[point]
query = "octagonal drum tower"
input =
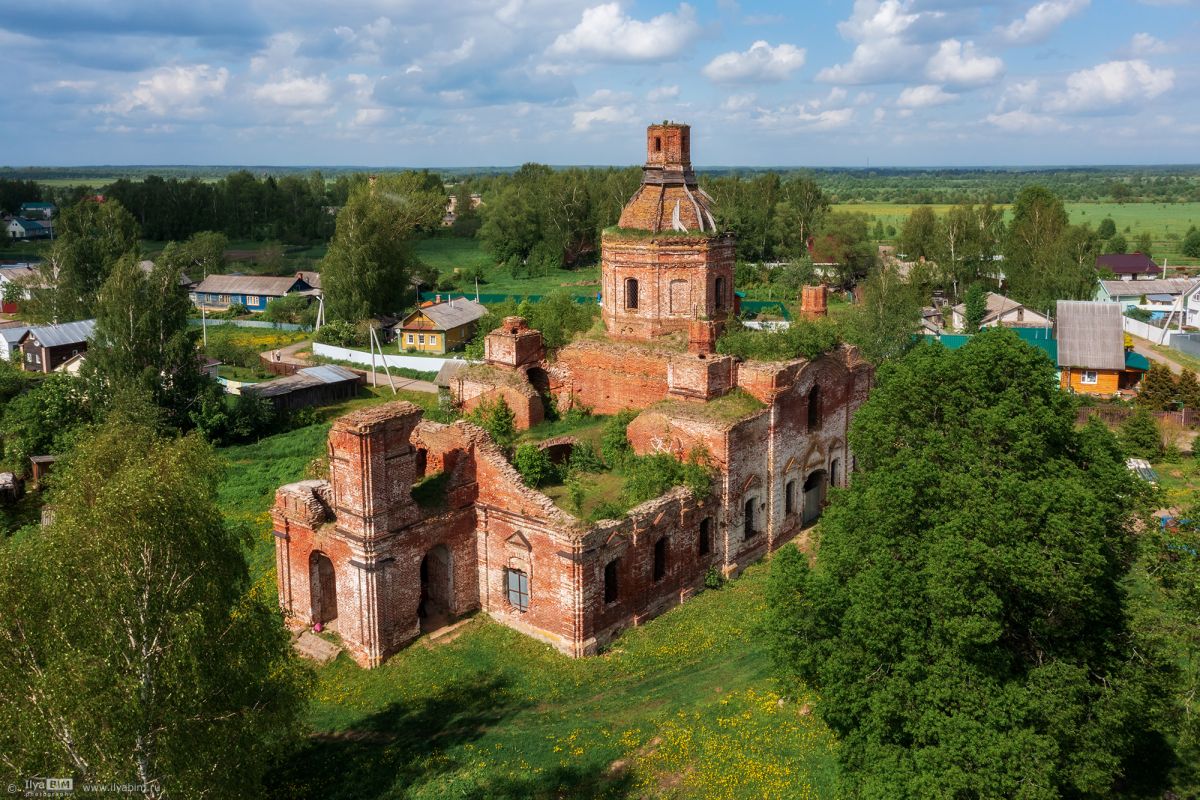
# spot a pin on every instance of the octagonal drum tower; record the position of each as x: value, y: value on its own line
x: 665, y: 267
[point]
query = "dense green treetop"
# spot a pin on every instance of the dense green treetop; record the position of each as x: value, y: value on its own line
x: 965, y: 623
x: 134, y: 648
x: 89, y: 239
x: 370, y: 262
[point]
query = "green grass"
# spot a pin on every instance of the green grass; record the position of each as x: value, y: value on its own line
x: 686, y: 700
x: 1178, y: 356
x: 234, y: 372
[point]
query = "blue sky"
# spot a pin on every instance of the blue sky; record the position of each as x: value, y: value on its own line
x: 497, y: 82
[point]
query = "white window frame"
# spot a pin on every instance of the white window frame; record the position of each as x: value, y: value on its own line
x: 410, y: 338
x: 420, y: 338
x: 1090, y: 377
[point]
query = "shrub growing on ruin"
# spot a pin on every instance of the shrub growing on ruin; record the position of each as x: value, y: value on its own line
x: 614, y: 440
x: 495, y: 417
x: 534, y: 465
x: 804, y: 339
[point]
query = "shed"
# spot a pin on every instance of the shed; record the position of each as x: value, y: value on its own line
x: 39, y: 468
x: 309, y: 386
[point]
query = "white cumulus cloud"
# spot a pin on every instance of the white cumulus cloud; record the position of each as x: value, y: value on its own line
x: 1143, y: 44
x: 605, y: 33
x: 958, y: 64
x: 760, y: 64
x: 1041, y: 20
x: 883, y: 52
x: 1110, y: 85
x: 178, y: 90
x: 923, y: 96
x: 295, y: 91
x: 583, y: 121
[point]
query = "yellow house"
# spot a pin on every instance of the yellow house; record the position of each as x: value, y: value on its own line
x: 441, y: 327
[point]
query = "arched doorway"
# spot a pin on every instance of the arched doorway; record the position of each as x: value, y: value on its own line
x: 814, y: 496
x: 322, y: 583
x: 436, y: 575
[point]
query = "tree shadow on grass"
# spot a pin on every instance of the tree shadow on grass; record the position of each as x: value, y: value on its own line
x: 394, y: 749
x: 561, y: 782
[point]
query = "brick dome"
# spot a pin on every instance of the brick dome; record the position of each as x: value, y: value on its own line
x: 669, y: 198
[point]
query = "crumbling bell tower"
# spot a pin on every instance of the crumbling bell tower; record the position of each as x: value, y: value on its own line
x: 665, y: 266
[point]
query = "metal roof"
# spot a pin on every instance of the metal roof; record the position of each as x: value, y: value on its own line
x: 304, y: 378
x: 445, y: 375
x: 328, y: 373
x: 452, y: 314
x: 13, y: 335
x: 66, y: 333
x: 1123, y: 263
x: 1090, y: 335
x: 1172, y: 286
x: 250, y: 284
x: 310, y: 277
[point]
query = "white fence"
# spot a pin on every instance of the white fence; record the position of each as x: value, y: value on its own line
x: 1147, y: 331
x: 364, y: 358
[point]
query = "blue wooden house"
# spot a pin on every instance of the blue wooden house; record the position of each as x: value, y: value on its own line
x: 219, y: 292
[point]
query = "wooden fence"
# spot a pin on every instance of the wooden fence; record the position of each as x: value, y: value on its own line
x: 1113, y: 416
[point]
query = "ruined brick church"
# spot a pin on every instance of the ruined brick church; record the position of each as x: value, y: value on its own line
x: 358, y: 554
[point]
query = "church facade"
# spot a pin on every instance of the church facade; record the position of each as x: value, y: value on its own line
x: 365, y: 553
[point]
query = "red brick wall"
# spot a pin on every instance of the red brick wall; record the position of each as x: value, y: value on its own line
x: 677, y: 282
x: 610, y: 377
x: 513, y: 344
x: 526, y: 405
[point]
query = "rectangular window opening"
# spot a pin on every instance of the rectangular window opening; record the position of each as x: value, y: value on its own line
x: 517, y: 585
x: 610, y: 581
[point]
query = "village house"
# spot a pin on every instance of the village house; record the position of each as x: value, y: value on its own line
x: 440, y: 327
x: 421, y: 522
x: 45, y: 347
x: 37, y: 211
x: 10, y: 341
x: 219, y: 292
x: 29, y: 229
x: 1001, y: 310
x: 1158, y: 296
x: 16, y: 281
x: 1128, y: 266
x: 1091, y: 356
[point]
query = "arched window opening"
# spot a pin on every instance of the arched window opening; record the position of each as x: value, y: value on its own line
x: 814, y: 496
x: 610, y: 581
x: 789, y: 498
x: 705, y: 536
x: 749, y: 509
x: 834, y: 470
x: 814, y: 408
x: 660, y: 559
x: 631, y: 293
x: 658, y: 144
x: 719, y: 292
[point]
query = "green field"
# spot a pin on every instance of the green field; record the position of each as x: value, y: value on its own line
x: 1160, y: 219
x: 685, y: 702
x: 447, y: 254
